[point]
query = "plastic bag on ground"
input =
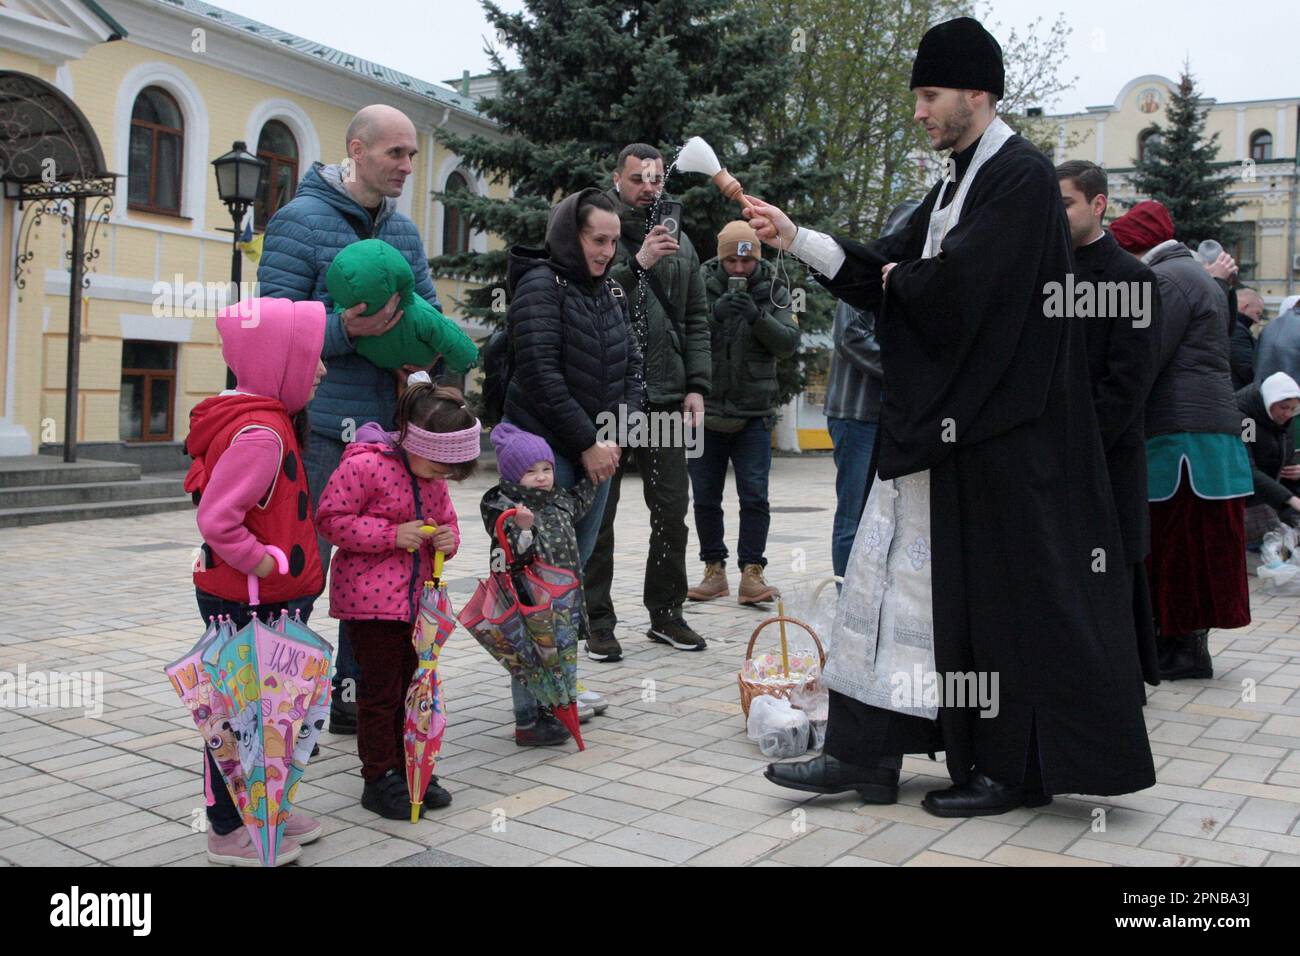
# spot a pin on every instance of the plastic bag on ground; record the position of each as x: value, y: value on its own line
x: 816, y: 703
x: 780, y: 730
x: 1279, y: 569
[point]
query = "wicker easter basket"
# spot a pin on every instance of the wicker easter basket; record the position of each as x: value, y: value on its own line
x: 750, y: 689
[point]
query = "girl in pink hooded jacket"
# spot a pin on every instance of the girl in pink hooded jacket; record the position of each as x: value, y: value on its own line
x: 386, y: 487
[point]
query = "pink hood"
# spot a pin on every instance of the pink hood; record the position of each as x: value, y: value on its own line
x: 272, y: 346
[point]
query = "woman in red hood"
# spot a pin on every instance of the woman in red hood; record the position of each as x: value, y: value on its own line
x: 251, y: 490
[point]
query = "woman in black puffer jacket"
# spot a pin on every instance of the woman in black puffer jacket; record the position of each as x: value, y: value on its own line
x: 573, y: 350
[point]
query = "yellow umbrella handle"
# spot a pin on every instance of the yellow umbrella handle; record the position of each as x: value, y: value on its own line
x: 427, y: 529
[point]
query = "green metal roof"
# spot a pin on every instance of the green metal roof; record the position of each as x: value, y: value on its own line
x: 345, y: 61
x: 119, y: 31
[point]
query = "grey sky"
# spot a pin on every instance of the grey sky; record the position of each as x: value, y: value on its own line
x: 1237, y: 52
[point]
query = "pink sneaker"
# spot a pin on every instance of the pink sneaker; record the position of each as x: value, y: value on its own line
x: 303, y: 829
x: 236, y: 849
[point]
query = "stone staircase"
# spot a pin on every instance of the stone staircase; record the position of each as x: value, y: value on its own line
x: 41, y: 489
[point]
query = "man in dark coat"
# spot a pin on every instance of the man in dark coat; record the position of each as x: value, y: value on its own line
x: 1278, y: 347
x: 670, y: 320
x: 1122, y: 347
x: 1241, y: 355
x: 991, y: 453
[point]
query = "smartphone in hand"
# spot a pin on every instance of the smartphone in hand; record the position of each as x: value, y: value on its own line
x: 737, y: 284
x: 670, y: 217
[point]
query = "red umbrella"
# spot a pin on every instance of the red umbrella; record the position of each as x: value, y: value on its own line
x: 522, y: 636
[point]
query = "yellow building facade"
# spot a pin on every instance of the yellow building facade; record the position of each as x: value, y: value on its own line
x: 1257, y: 154
x: 229, y: 79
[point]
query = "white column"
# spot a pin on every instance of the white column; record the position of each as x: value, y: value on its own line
x: 14, y: 439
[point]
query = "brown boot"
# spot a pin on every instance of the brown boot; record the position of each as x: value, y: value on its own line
x: 714, y: 584
x: 753, y: 589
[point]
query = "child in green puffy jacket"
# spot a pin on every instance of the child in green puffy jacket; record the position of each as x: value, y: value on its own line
x: 372, y: 271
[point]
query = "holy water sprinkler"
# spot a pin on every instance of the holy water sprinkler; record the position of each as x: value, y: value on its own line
x: 697, y: 156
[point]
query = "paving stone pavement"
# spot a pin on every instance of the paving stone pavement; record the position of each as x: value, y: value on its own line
x: 668, y: 776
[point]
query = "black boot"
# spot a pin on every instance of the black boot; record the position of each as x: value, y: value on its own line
x: 388, y: 797
x: 343, y: 716
x: 546, y: 731
x: 436, y: 797
x: 981, y: 796
x: 825, y: 774
x: 1187, y: 657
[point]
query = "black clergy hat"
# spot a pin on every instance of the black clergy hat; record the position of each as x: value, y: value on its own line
x: 960, y: 55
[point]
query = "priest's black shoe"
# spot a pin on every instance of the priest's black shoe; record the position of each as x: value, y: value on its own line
x: 825, y: 774
x: 981, y: 796
x: 1187, y: 657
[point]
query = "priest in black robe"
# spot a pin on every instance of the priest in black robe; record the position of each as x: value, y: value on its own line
x: 987, y: 421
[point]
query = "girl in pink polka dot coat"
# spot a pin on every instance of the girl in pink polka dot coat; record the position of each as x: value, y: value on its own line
x: 387, y: 486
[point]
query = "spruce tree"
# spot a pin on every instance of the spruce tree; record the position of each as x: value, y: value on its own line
x: 1177, y: 167
x: 597, y: 75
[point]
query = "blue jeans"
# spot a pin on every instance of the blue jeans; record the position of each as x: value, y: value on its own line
x: 223, y: 816
x: 320, y: 458
x: 749, y: 451
x: 567, y: 474
x: 854, y: 442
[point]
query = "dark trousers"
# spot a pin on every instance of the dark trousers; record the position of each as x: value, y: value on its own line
x: 666, y: 486
x: 749, y: 451
x: 866, y: 736
x: 387, y: 657
x: 319, y: 459
x: 223, y: 815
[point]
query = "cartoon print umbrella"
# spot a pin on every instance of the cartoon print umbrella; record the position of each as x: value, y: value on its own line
x: 562, y: 591
x: 267, y: 681
x: 189, y: 678
x: 318, y: 707
x: 522, y: 637
x: 426, y: 717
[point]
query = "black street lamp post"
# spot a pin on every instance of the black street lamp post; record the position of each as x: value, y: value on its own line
x: 240, y: 177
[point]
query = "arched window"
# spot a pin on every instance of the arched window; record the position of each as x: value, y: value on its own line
x: 1261, y: 145
x: 1148, y: 139
x: 157, y: 149
x: 279, y: 149
x: 455, y: 225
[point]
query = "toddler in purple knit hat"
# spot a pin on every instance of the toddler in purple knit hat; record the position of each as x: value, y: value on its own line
x: 541, y: 528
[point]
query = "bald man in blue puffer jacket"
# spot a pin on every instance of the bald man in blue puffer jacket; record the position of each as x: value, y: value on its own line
x: 335, y: 206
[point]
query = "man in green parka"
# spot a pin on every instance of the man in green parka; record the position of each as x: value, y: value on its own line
x: 752, y: 327
x: 661, y: 275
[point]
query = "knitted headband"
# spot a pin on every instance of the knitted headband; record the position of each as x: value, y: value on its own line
x: 449, y: 448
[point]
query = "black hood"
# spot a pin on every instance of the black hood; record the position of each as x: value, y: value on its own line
x: 563, y: 245
x: 523, y: 259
